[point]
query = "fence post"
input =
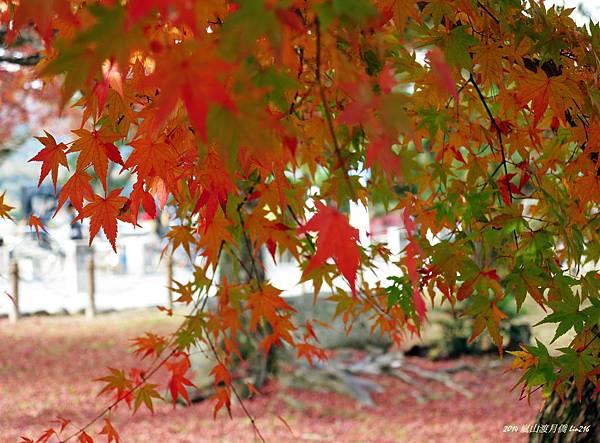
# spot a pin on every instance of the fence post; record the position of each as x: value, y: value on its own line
x: 90, y: 309
x: 14, y: 313
x: 170, y: 281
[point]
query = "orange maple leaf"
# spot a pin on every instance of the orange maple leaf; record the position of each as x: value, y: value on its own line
x: 544, y: 91
x: 103, y: 213
x: 267, y: 303
x: 213, y: 235
x: 4, y: 208
x: 150, y: 158
x: 76, y: 189
x: 35, y: 223
x: 96, y: 148
x: 52, y: 156
x: 110, y: 432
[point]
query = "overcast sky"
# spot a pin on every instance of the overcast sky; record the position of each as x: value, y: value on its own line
x: 591, y: 7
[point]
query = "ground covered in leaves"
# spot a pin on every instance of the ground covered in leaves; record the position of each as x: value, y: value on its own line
x: 47, y: 365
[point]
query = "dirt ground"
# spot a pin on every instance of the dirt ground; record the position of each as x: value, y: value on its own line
x: 47, y: 365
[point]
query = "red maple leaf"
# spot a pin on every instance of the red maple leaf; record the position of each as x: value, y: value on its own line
x: 441, y: 72
x: 195, y: 77
x: 85, y: 438
x: 214, y: 185
x: 379, y: 151
x: 46, y: 435
x: 178, y: 380
x: 337, y: 240
x: 140, y: 197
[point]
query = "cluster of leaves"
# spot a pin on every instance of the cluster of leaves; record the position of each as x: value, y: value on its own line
x: 248, y: 116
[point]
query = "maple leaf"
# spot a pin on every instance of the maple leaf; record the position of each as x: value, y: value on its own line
x: 144, y: 395
x: 181, y: 236
x: 379, y: 151
x: 46, y: 435
x: 63, y: 422
x: 215, y: 185
x: 310, y: 352
x: 96, y: 148
x: 544, y: 91
x: 587, y: 188
x: 41, y: 14
x: 507, y: 188
x: 440, y: 70
x: 140, y: 197
x: 4, y: 208
x: 149, y: 344
x: 487, y: 315
x: 150, y: 158
x: 176, y: 385
x: 76, y: 189
x: 195, y: 77
x: 337, y: 240
x: 35, y: 223
x: 103, y: 213
x: 267, y: 303
x: 178, y: 382
x: 111, y: 78
x: 52, y: 156
x: 117, y: 381
x: 213, y: 235
x: 85, y: 438
x: 110, y: 432
x: 223, y: 399
x: 185, y: 291
x: 411, y: 253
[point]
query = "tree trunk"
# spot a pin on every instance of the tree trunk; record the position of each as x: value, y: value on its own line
x: 572, y: 413
x: 260, y: 364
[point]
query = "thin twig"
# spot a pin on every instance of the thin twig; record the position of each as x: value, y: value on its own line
x: 235, y: 392
x: 29, y: 60
x: 495, y: 125
x: 488, y: 12
x: 328, y: 117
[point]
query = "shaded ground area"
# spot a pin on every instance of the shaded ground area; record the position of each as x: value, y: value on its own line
x: 47, y: 364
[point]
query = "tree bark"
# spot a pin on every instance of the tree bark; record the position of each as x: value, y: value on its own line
x: 574, y: 414
x: 260, y: 364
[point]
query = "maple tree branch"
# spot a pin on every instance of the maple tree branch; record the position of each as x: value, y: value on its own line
x: 152, y: 369
x: 246, y: 239
x: 498, y: 130
x: 596, y: 335
x: 328, y: 116
x: 29, y: 60
x: 248, y: 272
x: 120, y: 398
x: 299, y: 223
x: 488, y: 12
x: 235, y: 392
x: 522, y: 396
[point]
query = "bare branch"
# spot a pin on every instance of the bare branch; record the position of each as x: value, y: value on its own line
x: 30, y: 60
